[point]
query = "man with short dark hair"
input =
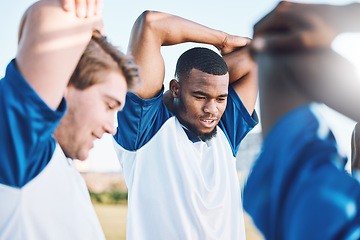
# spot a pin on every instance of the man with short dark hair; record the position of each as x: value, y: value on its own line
x: 178, y: 149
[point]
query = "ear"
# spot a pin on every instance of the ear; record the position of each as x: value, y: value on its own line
x: 174, y: 88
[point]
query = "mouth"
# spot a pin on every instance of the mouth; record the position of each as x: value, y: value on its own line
x: 208, y: 122
x: 95, y: 136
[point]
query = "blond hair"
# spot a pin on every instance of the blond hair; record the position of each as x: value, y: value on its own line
x: 100, y: 56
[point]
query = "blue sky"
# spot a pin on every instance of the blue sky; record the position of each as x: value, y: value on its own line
x: 232, y: 16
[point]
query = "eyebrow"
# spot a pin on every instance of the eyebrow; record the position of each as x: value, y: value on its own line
x: 208, y: 95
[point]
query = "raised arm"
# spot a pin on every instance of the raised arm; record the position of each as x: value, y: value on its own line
x: 51, y: 42
x: 296, y: 26
x: 243, y: 76
x: 287, y: 81
x: 296, y: 64
x: 155, y: 29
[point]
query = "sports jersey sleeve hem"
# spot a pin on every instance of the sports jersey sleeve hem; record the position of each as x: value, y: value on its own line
x: 140, y: 120
x: 145, y: 102
x: 253, y: 119
x: 236, y: 121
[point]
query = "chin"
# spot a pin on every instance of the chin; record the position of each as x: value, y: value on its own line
x: 205, y: 136
x: 83, y: 157
x: 207, y: 131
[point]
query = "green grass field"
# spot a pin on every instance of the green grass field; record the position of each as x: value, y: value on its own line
x: 113, y: 221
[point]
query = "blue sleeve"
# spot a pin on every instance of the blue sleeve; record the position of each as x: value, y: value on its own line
x: 236, y: 121
x: 325, y: 205
x: 298, y: 188
x: 26, y: 127
x: 140, y: 120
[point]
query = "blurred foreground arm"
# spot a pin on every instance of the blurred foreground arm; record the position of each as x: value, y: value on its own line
x: 296, y: 64
x: 287, y: 81
x: 295, y: 26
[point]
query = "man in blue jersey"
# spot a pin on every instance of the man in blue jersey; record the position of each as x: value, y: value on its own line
x: 178, y: 156
x: 42, y: 194
x: 298, y: 188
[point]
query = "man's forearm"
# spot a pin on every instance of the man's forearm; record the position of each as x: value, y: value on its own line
x: 50, y: 37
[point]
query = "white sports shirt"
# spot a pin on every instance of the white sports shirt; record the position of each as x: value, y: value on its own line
x: 180, y: 188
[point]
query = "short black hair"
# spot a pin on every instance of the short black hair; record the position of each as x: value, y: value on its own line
x: 203, y: 59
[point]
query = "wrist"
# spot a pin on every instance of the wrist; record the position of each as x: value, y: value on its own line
x: 222, y: 41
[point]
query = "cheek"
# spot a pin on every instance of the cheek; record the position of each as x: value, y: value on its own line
x: 193, y: 108
x: 93, y: 112
x: 198, y: 107
x: 222, y: 107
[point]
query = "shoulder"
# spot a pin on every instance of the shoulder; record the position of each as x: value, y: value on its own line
x: 140, y: 120
x: 26, y: 127
x: 235, y: 108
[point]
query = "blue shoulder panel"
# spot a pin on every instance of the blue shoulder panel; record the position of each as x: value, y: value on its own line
x: 140, y: 120
x: 298, y: 188
x: 236, y: 121
x: 26, y: 126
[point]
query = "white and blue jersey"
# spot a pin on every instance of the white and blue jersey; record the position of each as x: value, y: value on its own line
x: 42, y: 195
x: 298, y: 188
x: 180, y: 188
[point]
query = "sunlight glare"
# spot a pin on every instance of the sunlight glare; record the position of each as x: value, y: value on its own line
x: 347, y: 44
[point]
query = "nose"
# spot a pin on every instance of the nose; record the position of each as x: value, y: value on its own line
x: 111, y: 131
x: 109, y: 125
x: 210, y: 107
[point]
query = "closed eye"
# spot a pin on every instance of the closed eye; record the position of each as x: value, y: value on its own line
x: 200, y: 97
x: 112, y: 106
x: 112, y: 103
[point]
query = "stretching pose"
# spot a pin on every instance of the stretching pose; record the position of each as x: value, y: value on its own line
x: 178, y: 149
